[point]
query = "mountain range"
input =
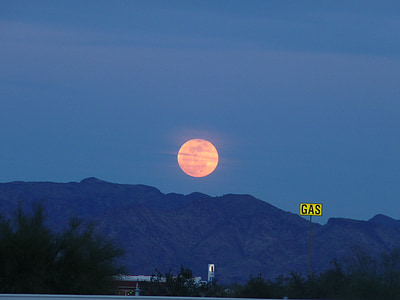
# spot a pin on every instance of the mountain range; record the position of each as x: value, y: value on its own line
x: 240, y: 234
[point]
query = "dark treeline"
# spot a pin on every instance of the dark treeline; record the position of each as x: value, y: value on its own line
x: 358, y: 277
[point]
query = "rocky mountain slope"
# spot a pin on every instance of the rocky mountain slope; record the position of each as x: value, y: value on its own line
x: 240, y: 234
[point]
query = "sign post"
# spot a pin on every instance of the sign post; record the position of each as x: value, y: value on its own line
x: 310, y: 209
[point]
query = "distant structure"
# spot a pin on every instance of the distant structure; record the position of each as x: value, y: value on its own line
x: 211, y: 270
x: 128, y: 285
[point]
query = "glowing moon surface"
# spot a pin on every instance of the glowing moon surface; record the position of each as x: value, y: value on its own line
x: 198, y: 158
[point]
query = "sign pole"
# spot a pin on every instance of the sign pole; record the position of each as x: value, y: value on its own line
x: 310, y: 209
x: 309, y: 250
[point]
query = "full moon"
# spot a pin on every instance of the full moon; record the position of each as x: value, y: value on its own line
x: 198, y: 158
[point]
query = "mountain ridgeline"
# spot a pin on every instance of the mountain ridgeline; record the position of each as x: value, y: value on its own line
x: 240, y: 234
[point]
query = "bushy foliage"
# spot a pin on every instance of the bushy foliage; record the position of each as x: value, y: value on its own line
x: 256, y: 287
x: 358, y: 277
x: 33, y: 259
x: 182, y: 284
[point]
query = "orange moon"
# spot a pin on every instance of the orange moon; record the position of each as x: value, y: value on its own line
x: 198, y: 158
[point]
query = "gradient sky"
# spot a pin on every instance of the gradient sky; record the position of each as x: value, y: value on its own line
x: 301, y: 98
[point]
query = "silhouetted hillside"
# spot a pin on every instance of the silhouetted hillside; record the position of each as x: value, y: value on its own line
x: 240, y: 234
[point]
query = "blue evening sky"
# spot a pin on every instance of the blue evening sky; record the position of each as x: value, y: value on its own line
x: 301, y: 98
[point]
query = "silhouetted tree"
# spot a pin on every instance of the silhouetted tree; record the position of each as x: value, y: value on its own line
x: 33, y: 259
x: 256, y: 287
x: 391, y: 274
x: 333, y: 282
x: 27, y: 253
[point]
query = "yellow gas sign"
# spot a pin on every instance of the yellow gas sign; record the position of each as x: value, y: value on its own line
x: 311, y: 209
